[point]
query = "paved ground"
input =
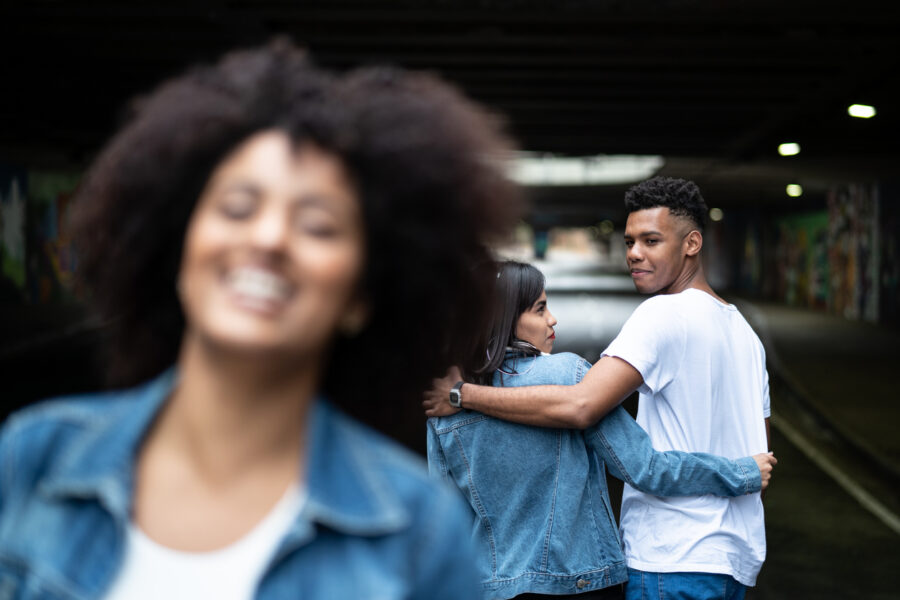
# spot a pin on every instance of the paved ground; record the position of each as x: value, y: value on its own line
x: 821, y: 542
x: 834, y: 419
x: 843, y: 369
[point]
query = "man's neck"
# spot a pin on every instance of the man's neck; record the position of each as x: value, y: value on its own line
x: 692, y: 277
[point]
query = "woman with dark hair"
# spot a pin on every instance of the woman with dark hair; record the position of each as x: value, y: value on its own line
x: 541, y: 515
x: 256, y: 235
x: 520, y: 307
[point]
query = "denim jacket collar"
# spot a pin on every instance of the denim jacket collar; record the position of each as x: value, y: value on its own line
x: 101, y: 463
x: 345, y: 491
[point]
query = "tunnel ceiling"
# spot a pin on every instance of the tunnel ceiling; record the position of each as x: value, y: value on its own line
x: 714, y: 86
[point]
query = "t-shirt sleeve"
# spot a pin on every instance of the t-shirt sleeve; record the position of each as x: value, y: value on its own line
x: 652, y: 341
x: 767, y: 408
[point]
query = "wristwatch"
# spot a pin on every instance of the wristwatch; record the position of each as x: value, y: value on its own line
x: 456, y: 395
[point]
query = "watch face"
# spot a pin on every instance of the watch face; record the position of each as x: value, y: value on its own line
x: 455, y: 397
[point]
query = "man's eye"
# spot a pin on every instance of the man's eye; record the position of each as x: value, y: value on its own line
x: 651, y: 241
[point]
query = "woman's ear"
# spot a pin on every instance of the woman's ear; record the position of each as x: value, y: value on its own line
x: 693, y: 242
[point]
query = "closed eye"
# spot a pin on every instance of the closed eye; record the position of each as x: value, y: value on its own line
x: 238, y: 206
x: 238, y: 201
x: 313, y: 218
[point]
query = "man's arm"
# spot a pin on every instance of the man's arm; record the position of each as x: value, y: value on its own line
x: 578, y: 406
x: 629, y: 455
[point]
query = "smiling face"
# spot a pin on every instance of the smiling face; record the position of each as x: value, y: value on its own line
x: 535, y: 325
x: 658, y: 246
x: 274, y: 251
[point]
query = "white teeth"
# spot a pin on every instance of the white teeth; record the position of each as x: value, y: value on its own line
x: 258, y: 284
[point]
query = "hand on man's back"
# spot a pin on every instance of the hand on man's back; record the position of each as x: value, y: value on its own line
x: 436, y: 402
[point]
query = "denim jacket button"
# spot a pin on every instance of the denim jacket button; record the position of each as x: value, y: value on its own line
x: 581, y: 583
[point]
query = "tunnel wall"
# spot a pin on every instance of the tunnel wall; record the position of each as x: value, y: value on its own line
x: 35, y: 251
x: 48, y: 345
x: 841, y: 257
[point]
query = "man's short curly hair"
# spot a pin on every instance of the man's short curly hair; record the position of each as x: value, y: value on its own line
x: 426, y: 163
x: 680, y: 196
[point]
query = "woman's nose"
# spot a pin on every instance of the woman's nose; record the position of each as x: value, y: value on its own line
x: 270, y: 230
x: 551, y: 320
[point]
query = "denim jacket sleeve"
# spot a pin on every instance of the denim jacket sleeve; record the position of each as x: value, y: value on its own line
x: 6, y: 463
x: 446, y: 554
x: 629, y: 454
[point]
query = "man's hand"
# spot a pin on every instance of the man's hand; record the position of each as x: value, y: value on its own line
x: 765, y: 462
x: 437, y: 399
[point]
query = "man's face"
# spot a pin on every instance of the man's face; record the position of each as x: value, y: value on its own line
x: 655, y: 248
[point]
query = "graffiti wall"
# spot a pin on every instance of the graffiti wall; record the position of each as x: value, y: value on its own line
x: 36, y: 258
x: 801, y: 260
x: 842, y: 259
x: 854, y: 251
x: 889, y: 259
x: 12, y: 233
x: 52, y: 261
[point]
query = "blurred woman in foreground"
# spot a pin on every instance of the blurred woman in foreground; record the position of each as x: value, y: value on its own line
x: 274, y: 246
x: 541, y: 514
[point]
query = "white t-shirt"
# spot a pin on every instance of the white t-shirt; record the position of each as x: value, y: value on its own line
x: 705, y: 390
x: 152, y: 571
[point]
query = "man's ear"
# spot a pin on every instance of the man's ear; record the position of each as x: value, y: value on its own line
x: 693, y: 242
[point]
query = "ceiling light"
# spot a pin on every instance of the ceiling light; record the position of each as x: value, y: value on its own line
x: 794, y: 190
x: 716, y: 214
x: 862, y: 111
x: 789, y: 149
x: 547, y: 169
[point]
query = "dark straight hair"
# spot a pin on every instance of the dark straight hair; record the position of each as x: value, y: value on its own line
x: 518, y: 287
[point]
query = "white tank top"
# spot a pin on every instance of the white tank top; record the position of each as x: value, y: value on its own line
x: 153, y: 571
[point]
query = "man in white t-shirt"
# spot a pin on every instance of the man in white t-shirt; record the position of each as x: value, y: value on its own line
x: 700, y: 371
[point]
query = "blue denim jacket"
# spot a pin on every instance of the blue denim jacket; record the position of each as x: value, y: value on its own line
x: 542, y: 518
x: 368, y: 529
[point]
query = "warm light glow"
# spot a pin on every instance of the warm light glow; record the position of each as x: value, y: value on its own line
x: 606, y: 227
x: 794, y: 190
x: 789, y: 149
x: 716, y: 214
x: 861, y: 111
x: 537, y: 169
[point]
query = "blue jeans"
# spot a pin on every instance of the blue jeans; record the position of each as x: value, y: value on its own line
x: 682, y: 586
